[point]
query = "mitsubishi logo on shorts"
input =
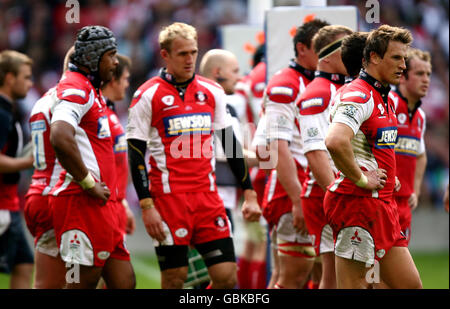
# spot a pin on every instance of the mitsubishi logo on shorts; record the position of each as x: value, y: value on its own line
x: 74, y: 243
x: 356, y: 240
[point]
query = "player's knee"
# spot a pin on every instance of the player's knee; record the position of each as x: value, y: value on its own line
x: 225, y: 282
x: 173, y: 278
x: 130, y: 282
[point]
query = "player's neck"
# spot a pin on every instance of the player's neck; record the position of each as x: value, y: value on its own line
x: 303, y: 64
x: 411, y: 99
x: 6, y: 94
x: 108, y: 92
x: 327, y: 68
x: 374, y: 73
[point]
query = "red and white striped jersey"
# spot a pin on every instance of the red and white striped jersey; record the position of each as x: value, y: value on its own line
x: 46, y: 167
x: 410, y: 141
x: 81, y: 106
x: 363, y: 105
x: 281, y: 94
x: 178, y: 132
x: 314, y: 110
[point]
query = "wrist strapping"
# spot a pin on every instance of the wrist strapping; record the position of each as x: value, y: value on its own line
x: 88, y: 182
x: 146, y: 203
x: 362, y: 182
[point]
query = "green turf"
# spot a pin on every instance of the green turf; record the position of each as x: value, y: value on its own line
x: 433, y: 268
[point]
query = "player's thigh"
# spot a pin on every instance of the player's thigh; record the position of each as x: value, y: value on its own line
x: 294, y: 266
x: 50, y: 271
x: 351, y: 274
x: 398, y: 270
x: 119, y: 274
x: 83, y: 277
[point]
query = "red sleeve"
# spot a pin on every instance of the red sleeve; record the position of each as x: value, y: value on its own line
x: 120, y: 155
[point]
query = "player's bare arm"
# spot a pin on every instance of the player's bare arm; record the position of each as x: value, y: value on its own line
x: 338, y: 142
x: 287, y: 175
x: 62, y: 137
x: 421, y: 165
x: 11, y: 165
x: 319, y: 165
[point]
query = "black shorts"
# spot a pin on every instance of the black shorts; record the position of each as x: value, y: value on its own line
x: 213, y: 252
x: 14, y: 247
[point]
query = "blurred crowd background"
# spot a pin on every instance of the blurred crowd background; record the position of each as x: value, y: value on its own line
x: 39, y: 29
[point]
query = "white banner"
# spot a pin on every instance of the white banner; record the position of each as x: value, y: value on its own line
x: 281, y: 22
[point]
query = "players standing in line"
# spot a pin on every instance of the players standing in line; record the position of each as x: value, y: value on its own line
x: 16, y: 257
x: 283, y: 207
x: 410, y: 155
x: 359, y: 204
x: 49, y: 268
x: 222, y: 67
x: 314, y: 106
x: 114, y: 91
x: 85, y: 223
x: 249, y: 93
x: 176, y: 112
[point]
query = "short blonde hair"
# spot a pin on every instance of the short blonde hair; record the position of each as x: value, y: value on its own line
x: 171, y: 32
x: 416, y: 53
x: 327, y: 35
x: 10, y: 62
x: 378, y: 40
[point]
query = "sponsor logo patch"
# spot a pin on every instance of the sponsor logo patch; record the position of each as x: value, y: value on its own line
x: 182, y: 232
x: 312, y: 132
x: 354, y: 94
x: 381, y: 253
x: 355, y: 240
x: 350, y: 111
x: 386, y: 138
x: 120, y: 143
x: 103, y: 130
x: 407, y: 145
x: 77, y: 92
x: 168, y: 100
x: 188, y: 124
x: 401, y: 118
x: 200, y: 98
x: 103, y: 255
x: 312, y: 102
x: 282, y: 90
x: 38, y: 125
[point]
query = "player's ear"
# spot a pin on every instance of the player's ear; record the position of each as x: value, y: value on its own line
x: 375, y: 58
x: 164, y: 53
x: 300, y: 48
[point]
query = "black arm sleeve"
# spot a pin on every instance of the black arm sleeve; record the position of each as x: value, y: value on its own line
x: 235, y: 157
x: 138, y: 170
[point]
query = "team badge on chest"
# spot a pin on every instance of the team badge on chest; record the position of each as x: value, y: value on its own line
x: 200, y: 98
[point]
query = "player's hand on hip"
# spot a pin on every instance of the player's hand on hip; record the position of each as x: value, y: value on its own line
x: 101, y: 191
x: 153, y: 224
x: 298, y: 218
x: 376, y: 179
x: 250, y: 208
